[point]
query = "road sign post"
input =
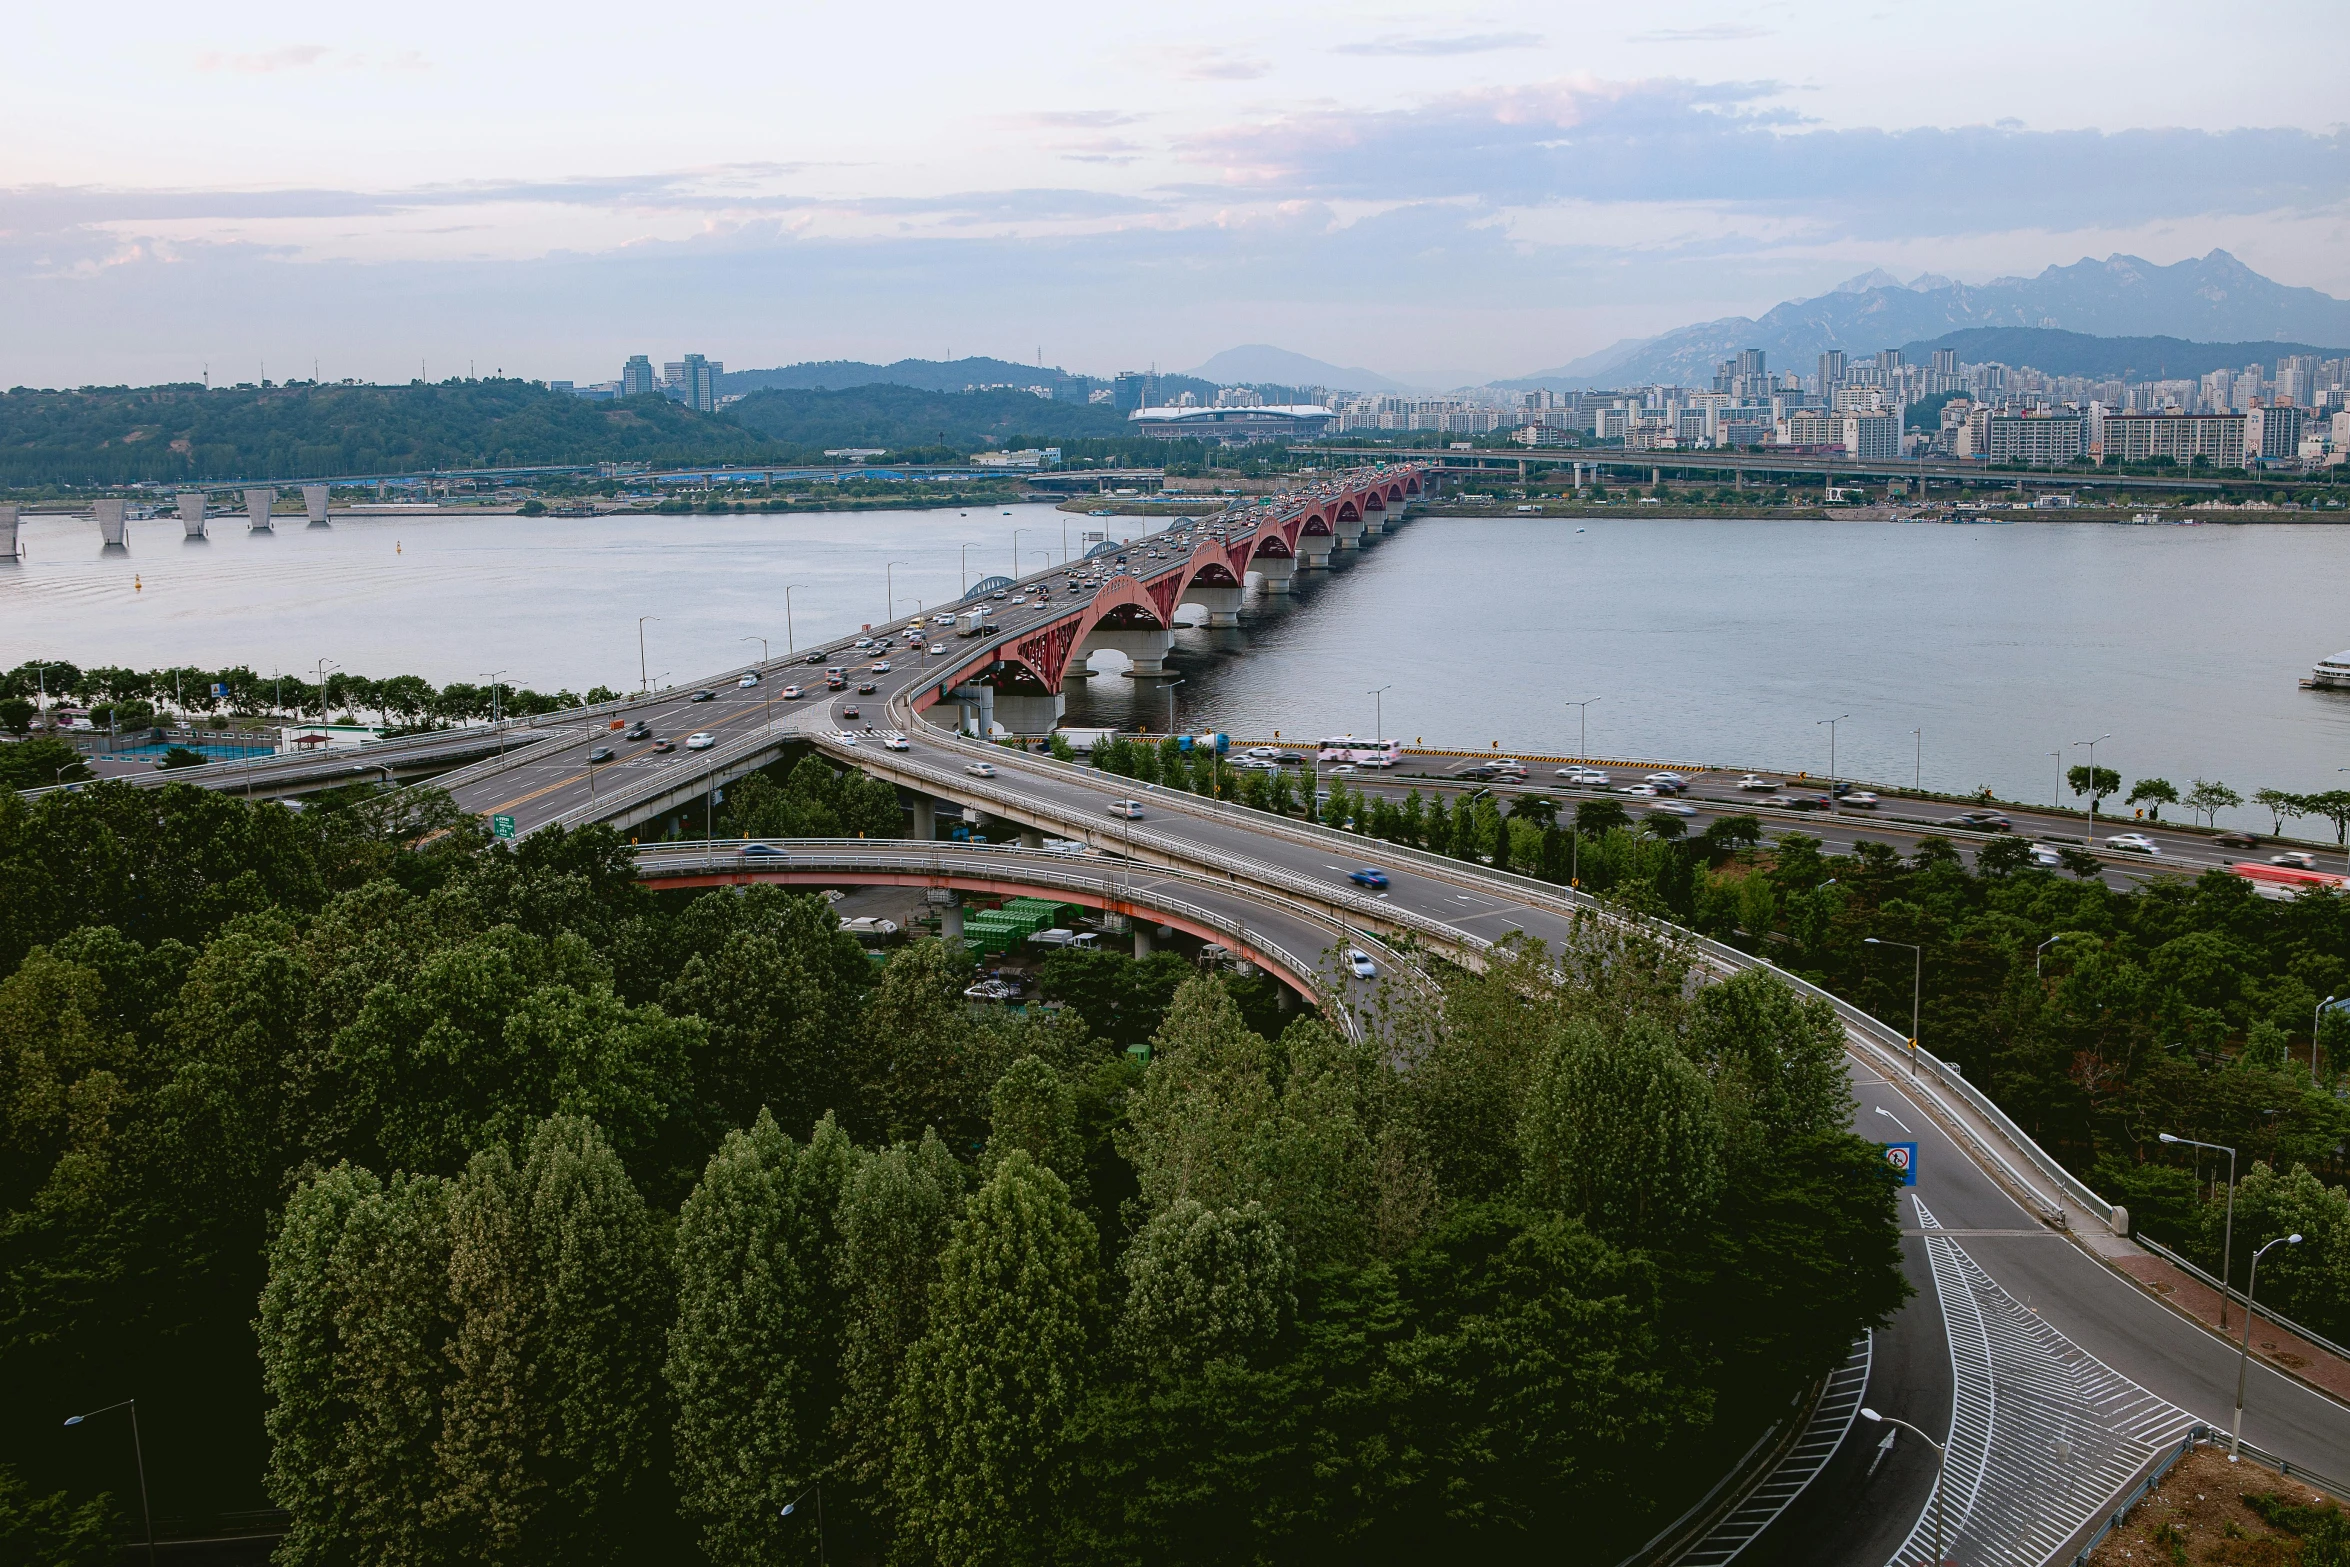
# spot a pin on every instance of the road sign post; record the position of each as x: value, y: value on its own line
x: 1903, y: 1157
x: 502, y: 825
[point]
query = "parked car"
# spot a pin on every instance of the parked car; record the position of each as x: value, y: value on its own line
x: 1368, y: 877
x: 2134, y: 842
x: 602, y: 753
x: 1360, y: 962
x: 1756, y: 781
x: 1130, y: 810
x: 703, y: 696
x: 700, y: 741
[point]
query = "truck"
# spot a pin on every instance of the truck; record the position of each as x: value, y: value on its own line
x: 974, y: 622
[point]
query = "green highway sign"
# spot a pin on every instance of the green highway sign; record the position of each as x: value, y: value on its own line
x: 502, y: 825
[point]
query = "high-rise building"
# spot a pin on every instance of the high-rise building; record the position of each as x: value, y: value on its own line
x: 1750, y: 362
x: 1946, y: 361
x: 1133, y: 389
x: 1888, y: 361
x: 636, y: 377
x: 1831, y: 371
x: 701, y: 383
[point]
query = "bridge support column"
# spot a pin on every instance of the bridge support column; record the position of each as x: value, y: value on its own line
x: 191, y: 505
x: 314, y: 502
x: 1276, y: 570
x: 1142, y: 938
x: 1025, y: 714
x: 978, y: 705
x: 1146, y: 647
x: 1350, y: 535
x: 950, y: 918
x: 1031, y: 838
x: 925, y: 819
x: 9, y: 548
x: 1222, y: 604
x: 257, y: 504
x: 1374, y: 524
x: 1313, y: 551
x: 111, y: 528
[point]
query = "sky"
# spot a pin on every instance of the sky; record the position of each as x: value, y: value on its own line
x: 1446, y: 194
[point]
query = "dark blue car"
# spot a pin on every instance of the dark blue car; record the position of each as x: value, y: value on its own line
x: 1367, y: 877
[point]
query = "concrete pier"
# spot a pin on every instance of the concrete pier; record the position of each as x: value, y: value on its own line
x: 10, y: 549
x: 1221, y: 603
x: 314, y: 502
x: 257, y: 504
x: 1029, y: 713
x: 191, y: 509
x: 978, y: 705
x: 1314, y: 550
x: 111, y: 527
x: 1146, y: 647
x: 925, y: 819
x: 1278, y: 571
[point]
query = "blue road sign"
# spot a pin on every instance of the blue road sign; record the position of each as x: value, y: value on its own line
x: 1904, y: 1159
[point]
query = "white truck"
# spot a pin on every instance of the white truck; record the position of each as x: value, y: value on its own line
x: 973, y: 622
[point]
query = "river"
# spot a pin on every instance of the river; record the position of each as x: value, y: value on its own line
x: 1965, y: 655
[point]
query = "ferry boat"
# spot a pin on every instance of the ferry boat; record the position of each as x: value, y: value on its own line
x: 2331, y: 673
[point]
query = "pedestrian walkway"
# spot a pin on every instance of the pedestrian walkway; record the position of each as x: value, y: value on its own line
x: 2191, y: 1297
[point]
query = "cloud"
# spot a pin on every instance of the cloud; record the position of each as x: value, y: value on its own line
x: 1710, y: 33
x: 1080, y: 119
x: 1461, y: 43
x: 1212, y: 64
x: 293, y: 57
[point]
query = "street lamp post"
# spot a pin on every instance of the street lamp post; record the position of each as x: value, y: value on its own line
x: 2040, y: 950
x: 1917, y: 773
x: 2056, y: 795
x: 790, y: 1507
x: 642, y: 683
x: 1583, y: 727
x: 2228, y: 1235
x: 790, y: 646
x: 324, y: 665
x: 1941, y: 1468
x: 2093, y: 745
x: 967, y: 570
x: 497, y: 711
x: 1832, y: 723
x: 1917, y: 976
x: 889, y: 582
x: 139, y: 1452
x: 1171, y: 685
x: 2244, y: 1355
x: 1016, y: 532
x: 1378, y: 721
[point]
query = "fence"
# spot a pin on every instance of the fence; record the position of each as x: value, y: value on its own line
x: 2237, y: 1295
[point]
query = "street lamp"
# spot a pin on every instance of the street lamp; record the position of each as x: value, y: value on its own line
x: 1832, y: 723
x: 324, y: 665
x: 139, y: 1452
x: 2056, y: 795
x: 2330, y: 1004
x: 2228, y: 1236
x: 1171, y: 685
x: 889, y: 581
x: 790, y: 1507
x: 2244, y: 1356
x: 1378, y: 722
x: 789, y: 645
x: 1016, y: 532
x: 1916, y: 976
x: 497, y: 711
x: 642, y: 683
x: 967, y: 570
x: 2093, y: 745
x: 1583, y: 727
x: 2044, y: 946
x: 1941, y: 1468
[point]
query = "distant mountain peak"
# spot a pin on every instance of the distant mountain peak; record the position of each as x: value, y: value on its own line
x: 1875, y: 277
x: 1927, y: 282
x: 1262, y: 364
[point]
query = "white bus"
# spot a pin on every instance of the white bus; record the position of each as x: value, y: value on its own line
x: 1362, y: 753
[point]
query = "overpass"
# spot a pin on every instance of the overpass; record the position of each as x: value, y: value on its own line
x: 1762, y: 463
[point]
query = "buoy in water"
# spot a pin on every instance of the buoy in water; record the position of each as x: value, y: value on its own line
x: 136, y: 585
x: 396, y: 546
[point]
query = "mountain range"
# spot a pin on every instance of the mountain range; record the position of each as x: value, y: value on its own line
x: 2212, y: 298
x: 1261, y: 364
x: 2054, y: 352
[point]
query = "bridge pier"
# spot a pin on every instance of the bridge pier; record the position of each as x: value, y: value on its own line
x: 1025, y: 714
x: 925, y: 819
x: 950, y: 918
x: 191, y: 507
x: 1146, y: 647
x: 978, y: 706
x: 314, y: 502
x: 1221, y: 603
x: 1313, y: 551
x: 1278, y: 572
x: 1031, y: 838
x: 111, y: 528
x: 1142, y: 938
x: 257, y: 504
x: 9, y: 548
x: 1350, y: 535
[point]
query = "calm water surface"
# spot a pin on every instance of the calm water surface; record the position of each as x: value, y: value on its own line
x: 1704, y: 641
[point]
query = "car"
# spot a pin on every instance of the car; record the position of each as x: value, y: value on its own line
x: 997, y: 594
x: 1255, y: 764
x: 638, y: 731
x: 1360, y: 963
x: 2237, y: 840
x: 760, y: 851
x: 1661, y: 779
x: 866, y: 688
x: 1584, y: 777
x: 1799, y: 802
x: 1756, y: 781
x: 1345, y: 768
x: 2299, y: 859
x: 701, y: 740
x: 835, y: 683
x: 663, y: 747
x: 1369, y: 877
x: 816, y: 657
x: 937, y: 649
x: 602, y: 753
x: 791, y: 693
x: 703, y: 696
x: 1130, y: 810
x: 1674, y: 808
x: 881, y: 666
x: 981, y: 769
x: 1290, y: 759
x: 2047, y: 854
x: 851, y: 712
x: 844, y: 736
x: 897, y: 742
x: 1979, y: 821
x: 2134, y: 842
x: 862, y: 642
x: 1642, y: 791
x: 1261, y: 751
x: 1862, y: 799
x: 748, y: 680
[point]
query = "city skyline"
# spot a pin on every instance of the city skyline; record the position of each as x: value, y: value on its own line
x: 1471, y: 196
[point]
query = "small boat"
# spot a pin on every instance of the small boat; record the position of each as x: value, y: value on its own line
x: 2331, y: 673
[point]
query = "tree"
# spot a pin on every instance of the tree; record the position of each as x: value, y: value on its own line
x: 2207, y: 800
x: 1776, y: 1059
x: 990, y: 1386
x: 2097, y: 785
x: 2155, y: 792
x: 16, y: 714
x: 41, y: 764
x: 1031, y: 1109
x: 894, y: 1219
x: 1205, y: 1284
x: 2279, y: 804
x: 553, y: 1410
x: 1622, y: 1133
x: 750, y: 1359
x: 1594, y: 818
x: 2333, y: 805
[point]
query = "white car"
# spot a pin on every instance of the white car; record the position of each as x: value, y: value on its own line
x: 937, y: 649
x: 2134, y: 842
x: 748, y: 680
x: 981, y: 769
x: 700, y: 741
x: 1360, y: 962
x: 2299, y: 859
x: 1756, y: 781
x: 791, y: 693
x: 1674, y: 808
x: 881, y: 666
x: 1131, y: 810
x: 862, y: 642
x: 2045, y: 854
x: 1640, y: 791
x: 1860, y: 798
x: 1263, y: 752
x: 1584, y: 777
x: 844, y: 737
x: 1345, y: 767
x: 896, y: 742
x: 1675, y: 779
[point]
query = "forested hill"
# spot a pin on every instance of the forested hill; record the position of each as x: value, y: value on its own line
x: 804, y: 421
x: 119, y: 435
